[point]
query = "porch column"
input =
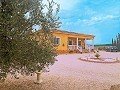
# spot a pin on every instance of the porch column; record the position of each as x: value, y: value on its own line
x: 92, y: 43
x: 85, y: 44
x: 77, y: 43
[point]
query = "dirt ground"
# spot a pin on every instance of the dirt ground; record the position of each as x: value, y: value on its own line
x: 70, y: 73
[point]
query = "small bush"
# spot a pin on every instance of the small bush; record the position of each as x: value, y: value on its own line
x: 97, y: 55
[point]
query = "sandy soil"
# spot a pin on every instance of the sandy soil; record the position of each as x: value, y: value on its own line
x: 69, y: 73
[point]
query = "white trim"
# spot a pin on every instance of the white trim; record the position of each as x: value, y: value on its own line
x: 92, y: 43
x: 77, y: 43
x: 85, y: 43
x: 59, y: 40
x: 70, y: 40
x: 72, y: 45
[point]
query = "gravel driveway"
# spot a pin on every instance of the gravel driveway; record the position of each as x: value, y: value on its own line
x: 69, y: 73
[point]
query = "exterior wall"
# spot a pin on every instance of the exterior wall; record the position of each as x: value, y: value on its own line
x: 74, y: 41
x: 63, y: 46
x: 83, y: 43
x: 63, y: 41
x: 64, y: 37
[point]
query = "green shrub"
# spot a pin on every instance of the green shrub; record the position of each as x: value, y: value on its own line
x: 97, y: 55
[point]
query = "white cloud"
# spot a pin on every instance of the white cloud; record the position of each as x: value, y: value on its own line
x: 88, y: 22
x: 97, y: 19
x: 89, y: 11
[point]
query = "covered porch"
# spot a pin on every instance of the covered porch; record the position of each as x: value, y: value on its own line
x: 77, y: 43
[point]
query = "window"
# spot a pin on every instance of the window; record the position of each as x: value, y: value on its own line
x: 56, y: 40
x: 70, y: 42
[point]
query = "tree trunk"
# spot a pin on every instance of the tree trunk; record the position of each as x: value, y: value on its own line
x: 39, y: 79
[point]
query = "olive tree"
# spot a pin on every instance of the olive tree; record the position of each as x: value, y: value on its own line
x: 20, y: 51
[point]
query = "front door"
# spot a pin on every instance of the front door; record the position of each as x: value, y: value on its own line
x: 80, y: 46
x: 79, y: 43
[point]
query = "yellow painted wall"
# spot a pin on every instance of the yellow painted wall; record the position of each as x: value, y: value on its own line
x: 83, y: 43
x: 63, y: 40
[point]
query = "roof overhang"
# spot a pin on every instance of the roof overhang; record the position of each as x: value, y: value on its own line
x: 85, y: 36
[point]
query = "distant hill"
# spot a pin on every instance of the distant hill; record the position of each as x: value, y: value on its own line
x: 102, y: 46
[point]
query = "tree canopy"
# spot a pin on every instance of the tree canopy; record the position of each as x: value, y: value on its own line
x: 20, y: 51
x: 116, y: 41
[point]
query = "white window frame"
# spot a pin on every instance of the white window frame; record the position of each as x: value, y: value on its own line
x: 68, y: 42
x: 59, y: 40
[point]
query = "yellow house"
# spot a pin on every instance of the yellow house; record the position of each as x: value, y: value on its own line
x: 71, y: 41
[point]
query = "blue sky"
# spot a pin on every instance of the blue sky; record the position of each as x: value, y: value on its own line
x: 97, y: 17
